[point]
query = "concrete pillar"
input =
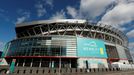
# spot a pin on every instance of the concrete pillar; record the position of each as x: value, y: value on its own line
x: 31, y: 63
x: 40, y: 63
x: 50, y: 63
x: 17, y: 62
x: 24, y: 63
x: 69, y: 63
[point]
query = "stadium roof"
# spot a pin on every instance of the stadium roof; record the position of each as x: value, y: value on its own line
x: 51, y: 21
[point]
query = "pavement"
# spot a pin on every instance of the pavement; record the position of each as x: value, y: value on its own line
x: 120, y: 73
x: 103, y: 73
x: 113, y: 73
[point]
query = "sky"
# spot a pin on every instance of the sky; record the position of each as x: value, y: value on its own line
x: 117, y: 13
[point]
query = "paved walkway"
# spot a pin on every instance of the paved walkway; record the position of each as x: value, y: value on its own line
x: 114, y: 73
x: 104, y: 73
x: 121, y: 73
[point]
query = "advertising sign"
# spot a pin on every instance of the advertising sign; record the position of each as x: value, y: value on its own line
x: 91, y: 48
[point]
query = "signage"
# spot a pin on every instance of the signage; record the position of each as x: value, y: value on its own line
x: 91, y: 48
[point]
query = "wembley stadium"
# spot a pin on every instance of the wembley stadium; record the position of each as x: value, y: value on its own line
x: 68, y: 43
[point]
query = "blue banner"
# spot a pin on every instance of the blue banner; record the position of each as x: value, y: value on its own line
x: 91, y: 48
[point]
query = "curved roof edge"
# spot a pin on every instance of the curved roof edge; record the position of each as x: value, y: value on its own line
x: 51, y: 21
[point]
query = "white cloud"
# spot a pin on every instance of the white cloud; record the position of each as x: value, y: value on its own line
x: 114, y: 15
x: 49, y: 2
x: 130, y: 34
x: 40, y: 9
x: 72, y: 12
x: 89, y: 9
x: 58, y: 15
x: 93, y: 8
x: 24, y: 17
x: 122, y: 13
x: 41, y: 12
x: 21, y: 19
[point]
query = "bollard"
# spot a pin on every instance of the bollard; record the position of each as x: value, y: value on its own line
x: 43, y: 71
x: 102, y: 69
x: 96, y: 70
x: 24, y: 71
x: 80, y: 70
x: 46, y: 71
x: 84, y: 70
x: 106, y: 69
x: 54, y: 70
x: 117, y: 69
x: 70, y: 70
x: 113, y: 69
x: 76, y: 70
x: 110, y: 69
x: 92, y: 70
x: 18, y: 71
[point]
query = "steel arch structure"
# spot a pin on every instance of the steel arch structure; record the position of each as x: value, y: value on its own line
x: 99, y: 31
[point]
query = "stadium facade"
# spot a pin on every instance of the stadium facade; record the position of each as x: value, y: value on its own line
x: 67, y: 43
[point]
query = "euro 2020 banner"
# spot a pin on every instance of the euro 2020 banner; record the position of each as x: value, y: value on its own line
x: 91, y: 48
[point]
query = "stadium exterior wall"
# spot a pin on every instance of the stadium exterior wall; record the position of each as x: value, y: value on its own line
x: 71, y: 43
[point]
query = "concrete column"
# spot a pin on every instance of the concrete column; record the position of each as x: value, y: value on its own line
x: 50, y: 63
x: 40, y: 63
x: 17, y: 62
x: 31, y: 63
x: 24, y: 63
x: 69, y: 63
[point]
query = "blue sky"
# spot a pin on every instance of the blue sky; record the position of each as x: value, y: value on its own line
x: 118, y: 13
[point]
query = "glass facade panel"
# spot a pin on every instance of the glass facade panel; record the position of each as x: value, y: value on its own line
x: 37, y: 46
x: 112, y: 51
